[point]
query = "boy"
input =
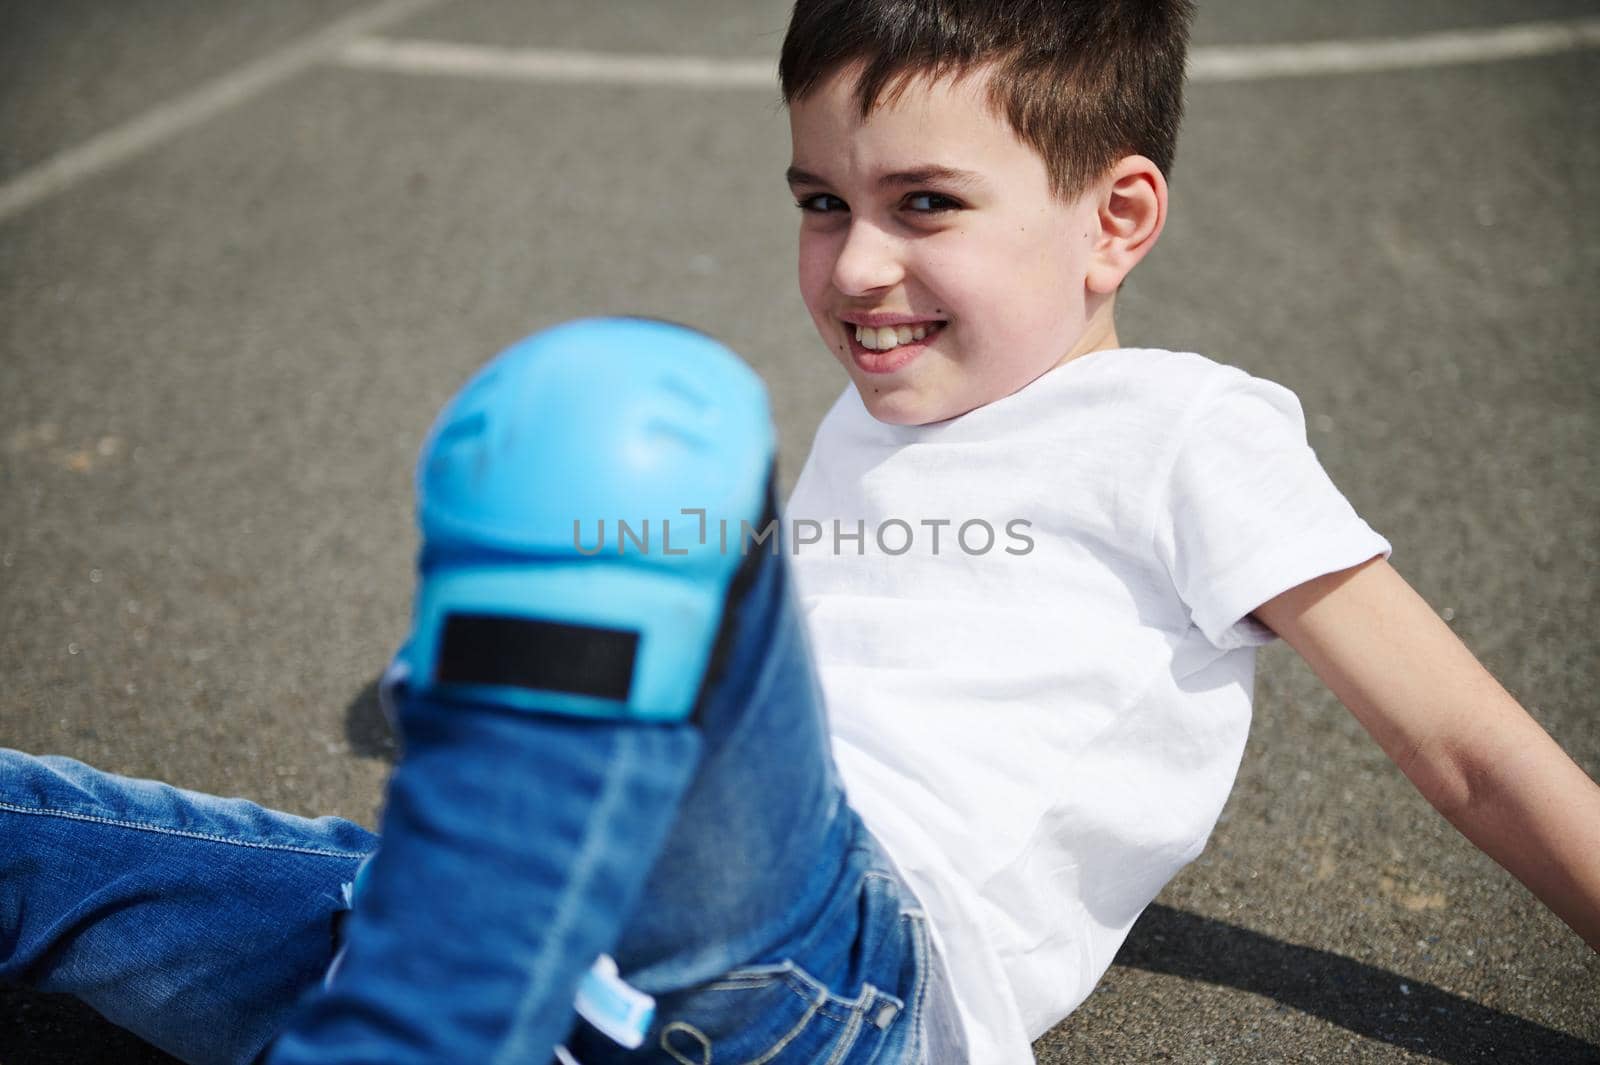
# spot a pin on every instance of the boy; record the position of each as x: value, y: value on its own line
x: 987, y: 176
x: 1035, y: 733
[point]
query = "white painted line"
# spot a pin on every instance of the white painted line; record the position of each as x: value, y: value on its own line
x: 1214, y: 64
x: 347, y: 42
x: 167, y: 120
x: 1399, y: 53
x: 533, y: 64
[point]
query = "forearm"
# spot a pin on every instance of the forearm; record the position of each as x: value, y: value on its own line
x: 1526, y: 804
x: 1455, y: 732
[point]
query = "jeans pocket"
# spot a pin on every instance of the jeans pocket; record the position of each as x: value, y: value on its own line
x: 848, y: 993
x: 776, y: 1014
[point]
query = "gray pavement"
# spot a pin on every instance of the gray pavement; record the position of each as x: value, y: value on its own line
x: 217, y: 360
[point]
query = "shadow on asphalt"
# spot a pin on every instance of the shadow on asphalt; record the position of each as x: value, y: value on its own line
x: 1362, y: 998
x: 366, y: 729
x: 40, y: 1029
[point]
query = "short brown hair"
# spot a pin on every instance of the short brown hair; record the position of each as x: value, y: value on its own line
x: 1082, y: 82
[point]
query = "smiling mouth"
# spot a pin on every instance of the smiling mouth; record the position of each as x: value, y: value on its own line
x: 888, y: 349
x: 885, y: 338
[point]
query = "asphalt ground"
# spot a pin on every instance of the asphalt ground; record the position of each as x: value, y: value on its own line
x: 219, y: 352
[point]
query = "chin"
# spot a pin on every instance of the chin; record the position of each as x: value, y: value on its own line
x: 899, y: 409
x: 889, y: 409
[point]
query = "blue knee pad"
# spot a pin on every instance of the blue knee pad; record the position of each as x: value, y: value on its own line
x: 584, y: 503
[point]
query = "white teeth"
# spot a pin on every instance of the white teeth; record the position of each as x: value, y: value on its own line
x: 889, y: 336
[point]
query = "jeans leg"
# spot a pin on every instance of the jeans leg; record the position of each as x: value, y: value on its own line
x: 195, y: 922
x: 759, y: 843
x: 513, y: 845
x: 772, y: 927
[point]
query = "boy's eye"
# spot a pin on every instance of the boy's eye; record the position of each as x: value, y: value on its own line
x: 821, y: 203
x: 930, y: 203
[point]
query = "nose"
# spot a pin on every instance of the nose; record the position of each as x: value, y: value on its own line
x: 869, y: 259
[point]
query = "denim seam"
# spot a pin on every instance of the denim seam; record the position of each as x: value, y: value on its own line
x: 161, y: 830
x: 852, y: 1031
x: 790, y: 1036
x: 922, y: 945
x: 821, y: 999
x: 685, y: 1026
x: 798, y: 982
x: 924, y: 959
x: 832, y: 1004
x: 587, y: 865
x: 753, y: 983
x: 817, y: 1003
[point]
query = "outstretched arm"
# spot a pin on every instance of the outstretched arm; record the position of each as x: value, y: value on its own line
x: 1459, y: 736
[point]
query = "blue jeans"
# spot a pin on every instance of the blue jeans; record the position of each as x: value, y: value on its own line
x: 763, y: 916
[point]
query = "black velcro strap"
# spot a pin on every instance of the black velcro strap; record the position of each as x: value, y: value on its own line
x: 539, y: 655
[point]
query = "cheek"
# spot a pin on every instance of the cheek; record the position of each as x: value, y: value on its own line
x: 816, y: 262
x: 1050, y: 295
x: 1029, y: 305
x: 815, y: 270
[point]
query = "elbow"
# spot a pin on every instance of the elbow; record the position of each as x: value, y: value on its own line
x: 1451, y: 778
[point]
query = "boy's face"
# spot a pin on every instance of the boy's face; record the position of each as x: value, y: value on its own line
x: 932, y: 218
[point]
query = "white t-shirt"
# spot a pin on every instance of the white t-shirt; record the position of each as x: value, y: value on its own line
x: 1041, y: 722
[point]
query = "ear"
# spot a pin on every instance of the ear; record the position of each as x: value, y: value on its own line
x: 1131, y: 210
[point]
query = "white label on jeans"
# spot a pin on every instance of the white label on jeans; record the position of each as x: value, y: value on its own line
x: 606, y: 1001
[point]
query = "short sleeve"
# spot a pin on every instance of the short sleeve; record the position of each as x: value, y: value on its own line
x: 1249, y: 511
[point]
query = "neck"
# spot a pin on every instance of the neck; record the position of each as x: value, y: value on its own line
x: 1099, y: 335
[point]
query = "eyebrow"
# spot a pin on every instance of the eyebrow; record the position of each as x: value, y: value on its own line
x: 922, y: 175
